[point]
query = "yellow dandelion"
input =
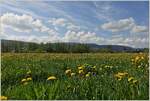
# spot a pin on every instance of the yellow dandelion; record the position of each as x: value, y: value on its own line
x: 81, y: 71
x: 121, y: 74
x: 87, y: 75
x: 3, y: 98
x: 73, y: 74
x: 25, y: 83
x: 51, y: 78
x: 23, y: 80
x: 68, y: 71
x: 132, y: 60
x: 29, y: 72
x: 81, y: 67
x: 137, y: 58
x: 130, y: 78
x: 142, y: 58
x: 29, y: 79
x: 135, y: 81
x: 94, y: 67
x: 119, y: 79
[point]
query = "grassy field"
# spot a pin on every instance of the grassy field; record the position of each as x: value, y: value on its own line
x: 74, y: 76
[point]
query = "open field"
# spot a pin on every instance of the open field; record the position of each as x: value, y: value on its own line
x: 75, y: 76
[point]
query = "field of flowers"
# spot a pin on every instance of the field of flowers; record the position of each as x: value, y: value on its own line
x: 96, y: 76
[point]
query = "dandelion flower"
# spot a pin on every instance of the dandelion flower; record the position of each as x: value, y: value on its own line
x: 87, y: 75
x: 81, y: 71
x: 25, y: 83
x: 81, y: 67
x: 51, y: 78
x: 130, y: 78
x: 23, y: 80
x: 29, y: 72
x: 29, y: 79
x: 134, y: 81
x: 68, y: 71
x: 73, y: 74
x: 3, y: 98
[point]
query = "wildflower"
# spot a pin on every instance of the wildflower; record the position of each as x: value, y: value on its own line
x: 81, y: 68
x: 68, y: 71
x: 94, y: 67
x: 29, y: 79
x: 132, y: 60
x: 29, y: 72
x: 137, y: 58
x: 120, y: 75
x: 88, y: 74
x: 23, y: 80
x: 135, y: 81
x: 142, y: 58
x: 3, y: 98
x: 73, y: 74
x: 51, y: 78
x: 130, y: 78
x: 81, y: 71
x: 25, y: 83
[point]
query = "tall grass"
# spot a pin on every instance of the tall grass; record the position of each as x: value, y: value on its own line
x: 102, y: 86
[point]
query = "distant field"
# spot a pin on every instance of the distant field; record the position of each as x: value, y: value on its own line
x: 41, y: 76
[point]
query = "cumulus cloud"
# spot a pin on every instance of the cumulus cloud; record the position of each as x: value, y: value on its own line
x: 124, y: 24
x: 82, y: 37
x: 121, y: 25
x: 22, y: 23
x: 59, y: 21
x: 138, y: 29
x: 63, y: 23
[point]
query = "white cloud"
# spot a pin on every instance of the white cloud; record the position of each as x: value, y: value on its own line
x: 59, y: 21
x: 63, y: 23
x: 121, y: 25
x: 82, y: 37
x: 22, y: 23
x: 138, y: 29
x: 73, y: 27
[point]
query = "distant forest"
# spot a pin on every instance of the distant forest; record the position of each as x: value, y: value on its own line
x: 30, y: 47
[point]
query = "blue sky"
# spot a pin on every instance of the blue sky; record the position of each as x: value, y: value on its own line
x: 110, y: 22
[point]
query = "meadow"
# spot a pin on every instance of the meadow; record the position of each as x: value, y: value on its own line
x: 87, y: 76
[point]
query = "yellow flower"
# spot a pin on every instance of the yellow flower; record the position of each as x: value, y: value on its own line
x: 25, y: 83
x: 81, y: 67
x: 68, y: 71
x: 51, y: 78
x: 73, y: 74
x: 29, y: 79
x: 135, y: 81
x: 94, y: 67
x: 23, y: 80
x: 130, y: 78
x: 3, y: 98
x: 137, y: 58
x: 132, y: 60
x: 122, y: 73
x: 29, y: 72
x: 81, y: 71
x: 87, y: 75
x: 142, y: 58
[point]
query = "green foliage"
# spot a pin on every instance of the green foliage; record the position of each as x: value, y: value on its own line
x: 102, y: 86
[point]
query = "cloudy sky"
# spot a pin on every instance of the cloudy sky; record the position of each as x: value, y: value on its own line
x: 119, y: 23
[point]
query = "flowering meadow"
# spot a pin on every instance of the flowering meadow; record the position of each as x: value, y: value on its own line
x: 92, y: 76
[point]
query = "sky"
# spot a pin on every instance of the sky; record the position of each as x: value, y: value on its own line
x: 100, y: 22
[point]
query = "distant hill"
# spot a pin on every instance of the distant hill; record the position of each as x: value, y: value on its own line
x: 21, y: 46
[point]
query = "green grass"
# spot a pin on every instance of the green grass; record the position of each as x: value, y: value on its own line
x: 102, y: 86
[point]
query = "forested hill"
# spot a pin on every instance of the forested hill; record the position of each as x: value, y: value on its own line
x: 25, y: 47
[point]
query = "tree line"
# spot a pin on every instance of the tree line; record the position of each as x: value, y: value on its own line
x: 29, y: 47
